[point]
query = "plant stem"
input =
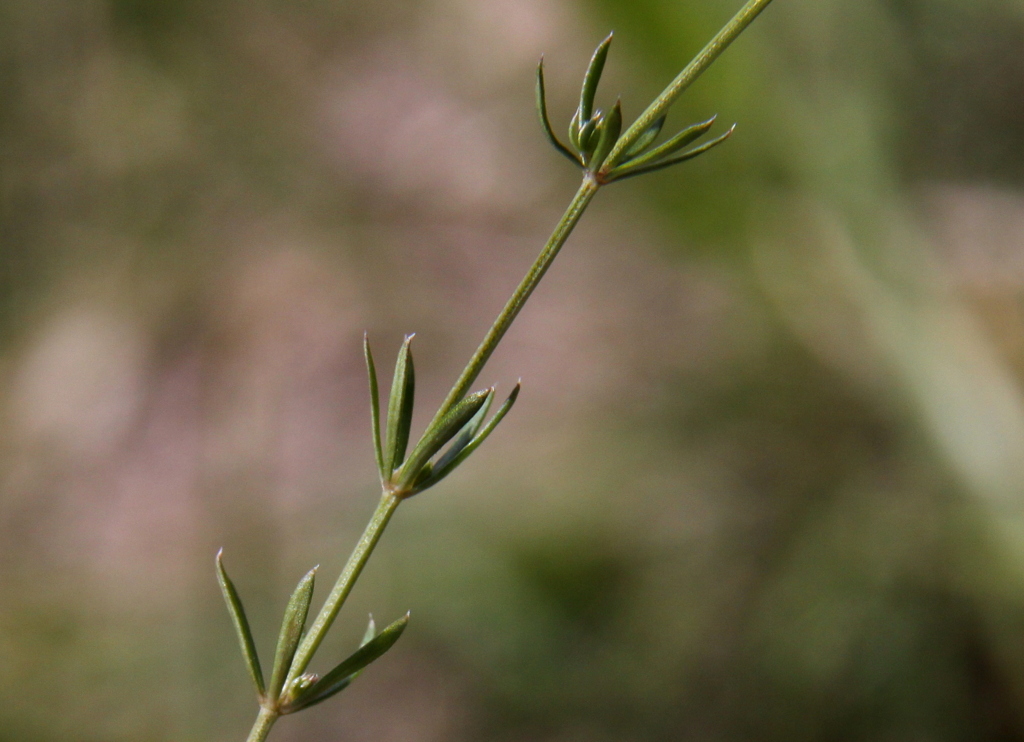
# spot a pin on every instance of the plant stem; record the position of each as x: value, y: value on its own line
x: 389, y: 499
x: 388, y: 503
x: 264, y: 722
x: 684, y: 79
x: 572, y: 215
x: 398, y: 484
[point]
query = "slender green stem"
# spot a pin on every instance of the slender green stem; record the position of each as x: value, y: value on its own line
x: 401, y: 483
x: 343, y: 586
x: 540, y: 266
x: 684, y: 79
x: 264, y: 721
x: 390, y: 500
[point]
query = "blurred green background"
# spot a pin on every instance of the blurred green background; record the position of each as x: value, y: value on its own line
x: 766, y: 477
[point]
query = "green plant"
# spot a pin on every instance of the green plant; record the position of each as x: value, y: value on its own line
x: 605, y: 154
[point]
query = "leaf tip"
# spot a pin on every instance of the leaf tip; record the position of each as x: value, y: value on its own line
x: 371, y: 631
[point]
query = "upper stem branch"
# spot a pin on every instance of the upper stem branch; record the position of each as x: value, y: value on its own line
x: 540, y: 266
x: 683, y: 80
x: 390, y: 500
x: 343, y: 586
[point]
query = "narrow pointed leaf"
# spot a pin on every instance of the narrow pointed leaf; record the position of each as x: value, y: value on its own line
x: 237, y: 611
x: 588, y: 136
x: 403, y: 390
x: 467, y: 433
x: 440, y: 473
x: 686, y: 136
x: 371, y: 371
x: 630, y: 171
x: 611, y: 127
x: 680, y: 140
x: 433, y: 440
x: 341, y: 676
x: 291, y: 632
x: 592, y: 78
x: 574, y: 131
x: 646, y: 139
x: 542, y: 111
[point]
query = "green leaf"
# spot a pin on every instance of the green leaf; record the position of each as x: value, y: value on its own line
x: 403, y: 390
x: 440, y: 472
x: 467, y: 433
x: 592, y: 78
x: 588, y: 136
x: 680, y: 140
x: 646, y: 139
x: 628, y: 171
x: 291, y: 632
x: 610, y: 129
x: 237, y: 611
x: 542, y: 111
x: 435, y: 438
x: 371, y: 371
x: 574, y: 131
x: 683, y: 138
x: 341, y: 676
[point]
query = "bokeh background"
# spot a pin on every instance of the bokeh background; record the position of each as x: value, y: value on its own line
x: 766, y: 476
